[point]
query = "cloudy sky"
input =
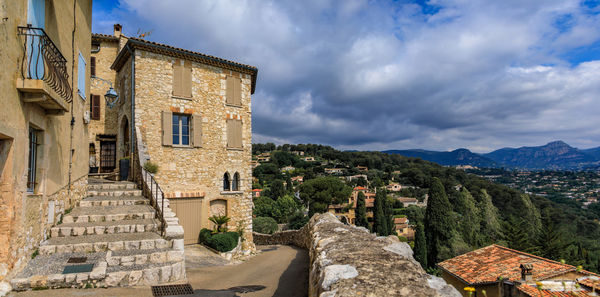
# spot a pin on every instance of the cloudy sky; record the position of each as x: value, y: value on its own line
x: 437, y: 74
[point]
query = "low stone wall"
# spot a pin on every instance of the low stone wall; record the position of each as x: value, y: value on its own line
x: 349, y: 261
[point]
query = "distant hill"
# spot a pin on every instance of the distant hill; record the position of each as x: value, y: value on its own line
x: 556, y: 155
x: 456, y: 157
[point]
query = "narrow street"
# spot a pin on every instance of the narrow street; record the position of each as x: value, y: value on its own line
x: 276, y: 271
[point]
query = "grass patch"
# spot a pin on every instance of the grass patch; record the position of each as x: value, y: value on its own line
x: 35, y: 253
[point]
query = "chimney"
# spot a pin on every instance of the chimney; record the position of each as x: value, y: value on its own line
x: 526, y: 272
x: 117, y: 30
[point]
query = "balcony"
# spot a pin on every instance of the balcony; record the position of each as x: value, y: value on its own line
x: 44, y: 79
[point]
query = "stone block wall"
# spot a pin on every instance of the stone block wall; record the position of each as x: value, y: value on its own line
x: 349, y: 261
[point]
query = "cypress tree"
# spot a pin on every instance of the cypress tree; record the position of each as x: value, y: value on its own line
x: 361, y: 211
x: 469, y: 222
x: 380, y: 224
x: 490, y: 222
x: 438, y: 222
x: 420, y: 246
x: 388, y: 213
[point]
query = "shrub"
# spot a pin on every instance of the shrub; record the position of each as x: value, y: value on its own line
x: 265, y: 225
x: 220, y: 221
x: 297, y: 220
x: 151, y: 167
x: 205, y: 234
x: 223, y: 242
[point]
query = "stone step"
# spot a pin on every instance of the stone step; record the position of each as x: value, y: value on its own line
x: 112, y: 186
x: 113, y: 200
x: 109, y: 213
x: 45, y: 271
x: 107, y: 227
x: 139, y: 257
x: 126, y: 192
x: 104, y: 242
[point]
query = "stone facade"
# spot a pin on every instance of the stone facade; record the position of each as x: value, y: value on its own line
x: 349, y: 261
x: 189, y: 171
x: 59, y: 118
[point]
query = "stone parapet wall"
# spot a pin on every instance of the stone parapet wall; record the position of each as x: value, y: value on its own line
x: 349, y: 261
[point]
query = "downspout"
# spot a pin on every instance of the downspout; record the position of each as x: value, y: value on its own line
x: 72, y: 101
x: 132, y: 119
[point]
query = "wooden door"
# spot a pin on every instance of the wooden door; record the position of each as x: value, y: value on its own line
x: 188, y: 210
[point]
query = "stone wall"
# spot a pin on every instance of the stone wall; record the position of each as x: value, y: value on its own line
x: 349, y: 261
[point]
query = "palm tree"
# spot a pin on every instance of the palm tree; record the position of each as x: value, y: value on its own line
x: 219, y: 221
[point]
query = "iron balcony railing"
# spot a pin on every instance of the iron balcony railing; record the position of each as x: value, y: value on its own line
x: 42, y: 60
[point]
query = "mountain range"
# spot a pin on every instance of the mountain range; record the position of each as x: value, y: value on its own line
x: 556, y: 155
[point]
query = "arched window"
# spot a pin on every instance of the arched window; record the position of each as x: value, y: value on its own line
x: 226, y: 182
x: 236, y: 182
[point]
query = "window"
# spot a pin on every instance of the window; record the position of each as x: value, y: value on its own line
x: 95, y: 107
x: 93, y: 66
x: 81, y: 76
x: 34, y: 141
x: 235, y: 186
x: 233, y: 92
x: 234, y: 133
x: 182, y: 78
x: 181, y: 129
x: 226, y: 182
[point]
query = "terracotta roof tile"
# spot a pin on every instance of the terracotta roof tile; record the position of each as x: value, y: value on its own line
x: 486, y: 264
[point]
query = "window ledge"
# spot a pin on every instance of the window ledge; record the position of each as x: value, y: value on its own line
x: 232, y: 192
x: 235, y: 149
x: 182, y: 146
x: 35, y: 195
x: 233, y: 105
x: 182, y: 97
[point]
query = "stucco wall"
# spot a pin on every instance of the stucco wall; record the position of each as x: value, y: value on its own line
x: 25, y: 217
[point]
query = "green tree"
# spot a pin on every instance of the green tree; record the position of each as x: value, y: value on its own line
x: 420, y: 246
x: 380, y: 220
x: 516, y: 234
x: 265, y: 207
x: 276, y: 189
x: 550, y: 242
x: 389, y: 214
x: 490, y: 221
x: 320, y: 192
x: 361, y: 211
x: 286, y: 205
x: 469, y: 217
x: 438, y: 222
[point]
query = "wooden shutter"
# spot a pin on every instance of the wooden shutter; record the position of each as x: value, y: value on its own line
x: 167, y: 128
x: 229, y: 94
x: 93, y: 66
x: 197, y: 130
x: 230, y: 133
x: 237, y: 91
x: 177, y: 78
x: 95, y: 107
x: 234, y: 133
x: 238, y: 133
x: 186, y: 79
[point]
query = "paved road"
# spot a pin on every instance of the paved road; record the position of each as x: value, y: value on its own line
x: 277, y: 271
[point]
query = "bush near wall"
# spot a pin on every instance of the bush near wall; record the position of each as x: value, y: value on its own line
x: 222, y: 242
x: 264, y: 225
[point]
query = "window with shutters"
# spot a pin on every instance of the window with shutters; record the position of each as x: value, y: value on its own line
x: 93, y: 66
x: 226, y: 182
x: 182, y: 79
x: 95, y: 107
x: 233, y: 92
x: 181, y: 129
x: 81, y: 76
x: 234, y: 134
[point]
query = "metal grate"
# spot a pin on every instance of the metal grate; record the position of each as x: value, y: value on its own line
x: 78, y: 268
x: 77, y: 260
x: 170, y: 290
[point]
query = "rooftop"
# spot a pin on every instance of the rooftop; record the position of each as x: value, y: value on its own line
x: 486, y: 264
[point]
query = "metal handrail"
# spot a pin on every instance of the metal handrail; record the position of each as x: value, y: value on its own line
x: 43, y: 60
x: 152, y: 191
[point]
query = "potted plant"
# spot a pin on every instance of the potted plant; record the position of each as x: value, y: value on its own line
x: 124, y: 164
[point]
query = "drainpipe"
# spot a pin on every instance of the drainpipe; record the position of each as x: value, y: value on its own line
x: 132, y: 119
x: 72, y: 101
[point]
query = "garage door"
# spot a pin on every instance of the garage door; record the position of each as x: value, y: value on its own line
x: 188, y: 211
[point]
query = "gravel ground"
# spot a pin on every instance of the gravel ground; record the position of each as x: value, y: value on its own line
x: 55, y: 263
x: 102, y: 238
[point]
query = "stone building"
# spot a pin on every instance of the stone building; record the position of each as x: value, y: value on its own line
x: 191, y: 113
x: 43, y: 121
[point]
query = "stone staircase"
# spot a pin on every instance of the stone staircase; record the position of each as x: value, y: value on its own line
x: 115, y: 228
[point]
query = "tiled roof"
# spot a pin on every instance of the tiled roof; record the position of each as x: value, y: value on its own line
x: 104, y: 36
x: 593, y: 282
x: 486, y: 264
x: 400, y: 220
x: 534, y: 292
x: 360, y: 189
x: 168, y: 50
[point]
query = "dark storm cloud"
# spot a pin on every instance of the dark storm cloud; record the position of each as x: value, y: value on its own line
x: 379, y: 75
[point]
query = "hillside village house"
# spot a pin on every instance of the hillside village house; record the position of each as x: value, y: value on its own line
x: 504, y: 272
x: 45, y: 85
x: 190, y: 114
